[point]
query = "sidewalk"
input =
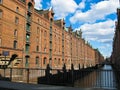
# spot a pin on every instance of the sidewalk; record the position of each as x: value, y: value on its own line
x: 6, y: 85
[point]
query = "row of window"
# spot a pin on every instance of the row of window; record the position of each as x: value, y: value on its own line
x: 14, y: 43
x: 16, y: 18
x: 56, y: 62
x: 37, y: 48
x: 36, y: 60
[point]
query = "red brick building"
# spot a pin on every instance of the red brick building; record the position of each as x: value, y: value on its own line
x: 115, y: 57
x: 37, y: 39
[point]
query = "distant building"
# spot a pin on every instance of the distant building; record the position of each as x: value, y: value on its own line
x: 115, y: 57
x: 37, y: 39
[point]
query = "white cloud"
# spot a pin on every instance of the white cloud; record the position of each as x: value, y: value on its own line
x: 82, y: 4
x: 105, y: 49
x: 63, y: 7
x: 38, y: 4
x: 101, y: 32
x: 97, y: 11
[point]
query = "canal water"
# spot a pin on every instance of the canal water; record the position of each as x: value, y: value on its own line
x: 101, y: 78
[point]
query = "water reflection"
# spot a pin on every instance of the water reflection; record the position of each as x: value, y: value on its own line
x: 102, y: 78
x: 87, y: 81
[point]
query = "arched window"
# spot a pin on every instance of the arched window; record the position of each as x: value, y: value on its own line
x: 15, y: 32
x: 45, y: 34
x: 15, y: 44
x: 16, y: 20
x: 17, y: 9
x: 37, y: 60
x: 59, y: 61
x: 38, y: 20
x: 44, y: 60
x: 37, y: 48
x: 29, y: 6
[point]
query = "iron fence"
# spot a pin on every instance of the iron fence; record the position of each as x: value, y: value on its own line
x: 77, y: 78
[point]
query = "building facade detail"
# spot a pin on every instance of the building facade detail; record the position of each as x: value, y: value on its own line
x: 38, y: 40
x: 115, y: 56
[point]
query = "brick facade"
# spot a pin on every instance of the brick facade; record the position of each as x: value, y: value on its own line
x: 115, y: 57
x: 37, y: 39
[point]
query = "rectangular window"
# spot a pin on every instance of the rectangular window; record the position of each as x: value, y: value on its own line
x: 37, y: 48
x: 16, y: 20
x: 44, y: 61
x: 27, y: 48
x: 17, y: 9
x: 0, y: 14
x: 15, y: 33
x: 15, y: 45
x: 37, y: 60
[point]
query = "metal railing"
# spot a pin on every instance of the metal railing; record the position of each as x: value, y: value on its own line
x: 78, y: 78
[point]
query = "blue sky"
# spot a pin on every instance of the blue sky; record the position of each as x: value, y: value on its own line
x: 96, y: 18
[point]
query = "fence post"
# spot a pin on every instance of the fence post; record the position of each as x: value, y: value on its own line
x: 72, y: 72
x: 27, y: 75
x: 47, y: 73
x: 10, y: 74
x: 4, y: 72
